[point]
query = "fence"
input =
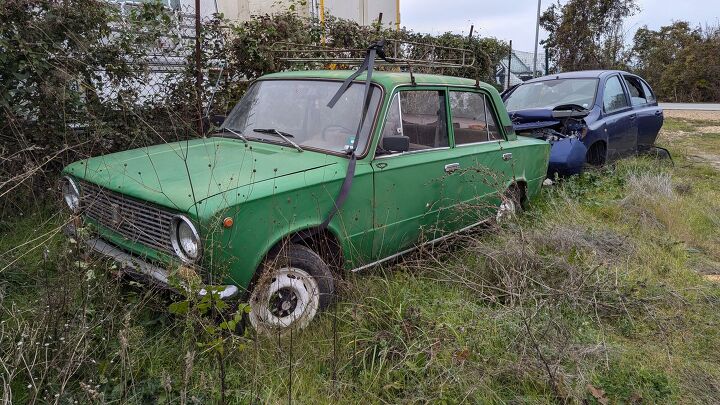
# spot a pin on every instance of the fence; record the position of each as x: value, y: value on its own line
x: 517, y: 67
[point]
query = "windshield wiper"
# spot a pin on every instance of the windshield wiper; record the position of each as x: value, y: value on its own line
x: 238, y: 134
x: 284, y: 135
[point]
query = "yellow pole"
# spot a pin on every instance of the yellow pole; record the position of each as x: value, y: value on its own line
x: 397, y: 14
x: 322, y: 21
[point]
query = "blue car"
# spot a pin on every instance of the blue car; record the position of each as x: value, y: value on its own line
x: 589, y: 117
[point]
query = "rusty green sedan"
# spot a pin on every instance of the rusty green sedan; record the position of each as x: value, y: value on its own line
x: 310, y: 175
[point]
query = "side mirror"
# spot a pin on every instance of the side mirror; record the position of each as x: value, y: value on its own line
x: 396, y: 143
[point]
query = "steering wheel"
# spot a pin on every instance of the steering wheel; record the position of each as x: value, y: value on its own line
x: 335, y: 129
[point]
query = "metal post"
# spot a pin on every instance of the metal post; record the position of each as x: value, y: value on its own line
x: 537, y: 35
x: 547, y: 61
x: 198, y: 66
x: 509, y: 63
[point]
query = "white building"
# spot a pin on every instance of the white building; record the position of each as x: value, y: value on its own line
x: 364, y: 12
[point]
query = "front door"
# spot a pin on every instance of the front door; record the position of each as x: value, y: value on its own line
x: 620, y: 119
x: 410, y: 188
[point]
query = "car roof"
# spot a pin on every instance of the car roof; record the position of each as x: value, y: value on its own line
x: 581, y: 74
x: 388, y: 80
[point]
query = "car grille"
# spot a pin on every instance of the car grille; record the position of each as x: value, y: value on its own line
x: 133, y: 219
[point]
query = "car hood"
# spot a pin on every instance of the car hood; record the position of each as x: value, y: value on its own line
x: 534, y: 118
x: 178, y: 175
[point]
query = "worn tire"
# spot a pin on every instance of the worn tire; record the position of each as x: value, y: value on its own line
x: 511, y: 204
x: 294, y: 285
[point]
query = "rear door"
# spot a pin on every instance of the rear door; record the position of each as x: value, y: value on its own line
x: 650, y: 116
x: 410, y: 187
x: 620, y: 120
x: 482, y: 166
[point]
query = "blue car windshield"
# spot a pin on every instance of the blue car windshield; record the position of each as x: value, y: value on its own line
x: 552, y: 93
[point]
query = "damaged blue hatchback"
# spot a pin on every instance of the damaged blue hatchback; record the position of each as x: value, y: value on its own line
x: 589, y: 117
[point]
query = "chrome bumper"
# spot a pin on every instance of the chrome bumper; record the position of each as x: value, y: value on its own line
x: 132, y: 264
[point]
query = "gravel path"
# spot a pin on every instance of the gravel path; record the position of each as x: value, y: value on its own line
x: 693, y: 115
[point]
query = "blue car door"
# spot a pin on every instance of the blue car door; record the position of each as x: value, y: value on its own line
x: 650, y: 116
x: 620, y: 120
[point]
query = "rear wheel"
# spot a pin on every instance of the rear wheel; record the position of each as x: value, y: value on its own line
x: 511, y: 203
x: 295, y: 284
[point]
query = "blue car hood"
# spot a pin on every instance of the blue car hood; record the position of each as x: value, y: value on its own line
x: 532, y: 118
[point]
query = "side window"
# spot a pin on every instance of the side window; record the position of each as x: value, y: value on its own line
x: 614, y: 96
x: 423, y: 118
x: 468, y: 117
x: 472, y: 118
x: 637, y: 94
x: 648, y: 92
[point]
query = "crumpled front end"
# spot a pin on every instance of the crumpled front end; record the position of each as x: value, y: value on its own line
x: 563, y: 129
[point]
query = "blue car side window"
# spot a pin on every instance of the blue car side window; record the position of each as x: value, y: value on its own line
x: 614, y: 96
x: 648, y: 92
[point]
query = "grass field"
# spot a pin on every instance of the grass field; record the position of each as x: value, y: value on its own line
x: 606, y: 290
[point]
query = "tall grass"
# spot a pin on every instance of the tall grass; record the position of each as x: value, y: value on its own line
x: 596, y: 293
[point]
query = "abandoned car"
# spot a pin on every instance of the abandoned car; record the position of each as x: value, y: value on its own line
x: 307, y: 176
x: 589, y: 117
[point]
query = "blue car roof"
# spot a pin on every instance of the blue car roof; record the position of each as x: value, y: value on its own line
x: 582, y: 74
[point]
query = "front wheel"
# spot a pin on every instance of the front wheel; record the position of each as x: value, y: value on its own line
x: 295, y: 284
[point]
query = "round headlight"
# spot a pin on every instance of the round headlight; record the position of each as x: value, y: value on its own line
x: 185, y: 239
x: 71, y: 194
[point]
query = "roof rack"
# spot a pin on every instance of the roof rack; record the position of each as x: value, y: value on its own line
x: 408, y: 53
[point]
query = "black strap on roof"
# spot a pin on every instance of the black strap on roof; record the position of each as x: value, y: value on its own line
x: 375, y: 50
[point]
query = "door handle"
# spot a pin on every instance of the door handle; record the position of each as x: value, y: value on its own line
x: 507, y: 156
x: 451, y: 167
x: 658, y: 113
x: 633, y: 116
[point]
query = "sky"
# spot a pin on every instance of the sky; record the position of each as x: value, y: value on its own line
x: 515, y: 19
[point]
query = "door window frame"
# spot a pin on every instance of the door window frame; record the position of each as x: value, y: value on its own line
x: 493, y: 113
x: 396, y: 93
x: 640, y: 81
x: 626, y: 93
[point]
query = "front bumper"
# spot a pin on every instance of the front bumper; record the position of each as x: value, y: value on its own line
x: 567, y: 157
x: 134, y: 265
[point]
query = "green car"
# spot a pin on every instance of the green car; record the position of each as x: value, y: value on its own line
x: 273, y: 207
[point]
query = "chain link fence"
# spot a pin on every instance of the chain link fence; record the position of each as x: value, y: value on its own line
x: 519, y: 66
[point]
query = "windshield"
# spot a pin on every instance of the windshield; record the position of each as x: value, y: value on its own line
x: 552, y: 93
x: 298, y: 109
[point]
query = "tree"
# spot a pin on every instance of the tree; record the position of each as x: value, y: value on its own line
x: 679, y: 61
x: 587, y: 34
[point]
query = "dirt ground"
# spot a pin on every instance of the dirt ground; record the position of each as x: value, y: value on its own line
x: 696, y: 151
x: 693, y: 115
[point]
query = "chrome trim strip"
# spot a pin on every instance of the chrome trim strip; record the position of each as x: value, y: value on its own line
x: 411, y: 152
x: 453, y: 233
x: 462, y: 145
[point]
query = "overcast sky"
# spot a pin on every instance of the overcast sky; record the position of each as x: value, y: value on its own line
x: 515, y: 19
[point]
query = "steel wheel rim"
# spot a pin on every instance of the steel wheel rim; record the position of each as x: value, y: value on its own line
x: 290, y: 297
x: 506, y: 210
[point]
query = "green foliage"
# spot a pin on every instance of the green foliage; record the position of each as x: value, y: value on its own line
x: 680, y: 62
x: 586, y: 35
